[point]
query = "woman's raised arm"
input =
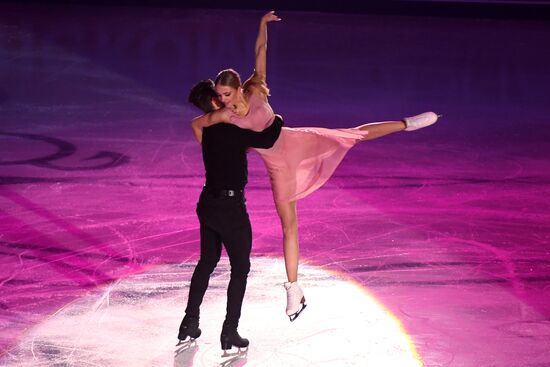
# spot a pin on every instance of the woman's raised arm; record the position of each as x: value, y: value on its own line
x: 261, y: 45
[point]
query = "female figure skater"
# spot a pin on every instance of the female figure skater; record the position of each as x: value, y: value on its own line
x: 301, y: 160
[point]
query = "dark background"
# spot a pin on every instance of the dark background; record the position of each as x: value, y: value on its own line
x: 533, y: 9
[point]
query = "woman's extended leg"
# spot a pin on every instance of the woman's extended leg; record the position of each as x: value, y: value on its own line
x: 379, y: 129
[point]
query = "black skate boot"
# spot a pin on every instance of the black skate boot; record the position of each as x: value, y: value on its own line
x: 231, y: 338
x: 189, y: 328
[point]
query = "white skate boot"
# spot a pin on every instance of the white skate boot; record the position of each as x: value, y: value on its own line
x: 420, y: 121
x: 295, y: 300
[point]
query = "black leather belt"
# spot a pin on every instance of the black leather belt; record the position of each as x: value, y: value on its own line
x: 223, y: 193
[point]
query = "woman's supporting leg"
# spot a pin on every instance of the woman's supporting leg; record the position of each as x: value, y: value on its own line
x: 379, y: 129
x: 289, y: 222
x: 295, y: 300
x: 287, y: 210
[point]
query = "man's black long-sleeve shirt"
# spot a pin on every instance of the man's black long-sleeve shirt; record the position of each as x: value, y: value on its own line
x: 224, y: 148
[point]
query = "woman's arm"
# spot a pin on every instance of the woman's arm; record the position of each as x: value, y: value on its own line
x: 261, y: 46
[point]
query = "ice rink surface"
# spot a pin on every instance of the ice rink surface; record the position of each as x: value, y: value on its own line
x: 425, y: 248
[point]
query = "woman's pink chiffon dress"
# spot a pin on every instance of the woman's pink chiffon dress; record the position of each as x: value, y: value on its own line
x: 302, y: 159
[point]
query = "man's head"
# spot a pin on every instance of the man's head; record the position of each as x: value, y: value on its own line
x: 203, y: 95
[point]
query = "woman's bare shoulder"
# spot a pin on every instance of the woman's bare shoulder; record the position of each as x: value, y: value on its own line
x: 257, y: 91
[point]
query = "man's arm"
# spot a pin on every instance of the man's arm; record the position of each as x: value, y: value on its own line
x: 266, y: 138
x: 209, y: 119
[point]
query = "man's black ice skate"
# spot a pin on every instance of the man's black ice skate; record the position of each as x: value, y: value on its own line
x: 188, y: 329
x: 231, y: 338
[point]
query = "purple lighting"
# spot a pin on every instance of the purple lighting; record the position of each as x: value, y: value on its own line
x: 428, y: 248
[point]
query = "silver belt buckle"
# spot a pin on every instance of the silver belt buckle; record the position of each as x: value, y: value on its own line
x: 230, y: 193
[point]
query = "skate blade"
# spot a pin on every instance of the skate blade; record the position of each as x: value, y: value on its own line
x: 184, y: 345
x: 186, y: 340
x: 233, y: 356
x: 295, y: 315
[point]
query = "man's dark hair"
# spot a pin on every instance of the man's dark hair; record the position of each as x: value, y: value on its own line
x: 201, y: 95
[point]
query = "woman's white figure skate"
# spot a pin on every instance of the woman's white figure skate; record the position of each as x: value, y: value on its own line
x: 420, y: 121
x: 295, y: 300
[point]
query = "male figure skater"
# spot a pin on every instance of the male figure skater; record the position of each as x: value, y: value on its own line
x: 222, y: 214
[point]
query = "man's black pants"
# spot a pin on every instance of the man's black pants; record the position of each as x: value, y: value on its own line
x: 223, y: 219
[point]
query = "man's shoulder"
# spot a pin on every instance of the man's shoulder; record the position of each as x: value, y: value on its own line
x: 222, y: 127
x: 221, y: 131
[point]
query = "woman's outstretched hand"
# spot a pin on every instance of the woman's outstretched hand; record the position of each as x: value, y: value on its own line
x: 270, y: 17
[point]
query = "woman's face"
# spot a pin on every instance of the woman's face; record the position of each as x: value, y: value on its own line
x: 227, y: 94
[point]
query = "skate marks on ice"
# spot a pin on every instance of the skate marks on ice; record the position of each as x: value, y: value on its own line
x: 185, y: 353
x: 65, y: 149
x: 134, y: 322
x: 234, y: 358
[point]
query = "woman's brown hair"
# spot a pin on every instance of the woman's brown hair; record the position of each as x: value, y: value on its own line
x: 231, y: 78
